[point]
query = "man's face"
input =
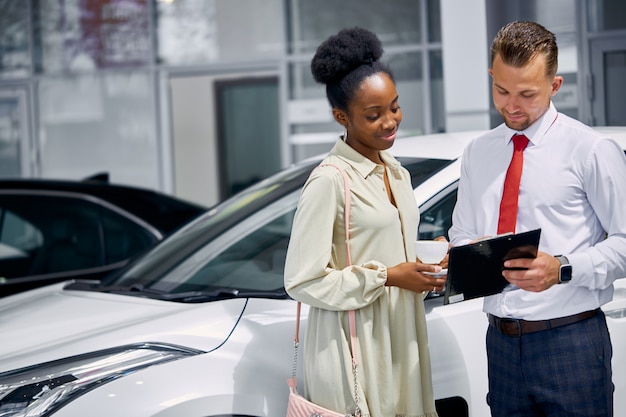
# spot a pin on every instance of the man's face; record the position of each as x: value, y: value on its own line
x: 522, y: 95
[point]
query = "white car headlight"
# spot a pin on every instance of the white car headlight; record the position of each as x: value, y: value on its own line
x: 40, y: 389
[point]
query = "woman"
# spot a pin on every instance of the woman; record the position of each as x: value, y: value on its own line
x: 384, y: 284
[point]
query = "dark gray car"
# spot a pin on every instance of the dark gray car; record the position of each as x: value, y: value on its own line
x: 52, y: 231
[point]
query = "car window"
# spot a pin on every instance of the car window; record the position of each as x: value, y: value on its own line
x: 19, y: 240
x: 218, y: 253
x: 123, y: 239
x: 56, y: 234
x: 421, y: 169
x: 436, y: 215
x: 254, y: 263
x: 18, y: 232
x: 249, y: 257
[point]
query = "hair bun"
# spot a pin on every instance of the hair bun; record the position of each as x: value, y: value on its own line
x: 342, y: 53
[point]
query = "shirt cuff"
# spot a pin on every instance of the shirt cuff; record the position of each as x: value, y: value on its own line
x: 582, y: 269
x: 379, y: 268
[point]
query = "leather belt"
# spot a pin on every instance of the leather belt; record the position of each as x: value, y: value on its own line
x: 518, y: 327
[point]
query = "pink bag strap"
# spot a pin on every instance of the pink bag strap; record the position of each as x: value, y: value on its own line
x: 351, y: 313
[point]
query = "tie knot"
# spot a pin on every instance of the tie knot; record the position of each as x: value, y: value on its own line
x: 520, y: 142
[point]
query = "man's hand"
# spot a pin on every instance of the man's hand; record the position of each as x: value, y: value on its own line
x: 538, y: 274
x: 444, y: 261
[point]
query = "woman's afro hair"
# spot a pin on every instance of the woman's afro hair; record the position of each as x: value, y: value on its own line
x: 342, y: 53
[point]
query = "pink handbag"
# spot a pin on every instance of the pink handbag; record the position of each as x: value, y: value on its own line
x: 297, y: 405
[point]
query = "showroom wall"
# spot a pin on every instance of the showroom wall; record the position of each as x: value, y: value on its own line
x: 138, y: 88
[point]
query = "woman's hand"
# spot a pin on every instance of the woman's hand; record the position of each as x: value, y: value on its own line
x: 410, y: 276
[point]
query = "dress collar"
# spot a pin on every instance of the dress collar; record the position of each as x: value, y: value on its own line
x: 360, y: 163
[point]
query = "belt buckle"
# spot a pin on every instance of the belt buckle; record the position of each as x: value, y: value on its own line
x: 517, y: 323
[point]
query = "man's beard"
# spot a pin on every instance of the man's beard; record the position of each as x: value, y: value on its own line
x: 519, y: 125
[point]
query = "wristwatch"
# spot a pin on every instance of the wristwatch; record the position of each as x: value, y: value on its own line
x: 565, y: 270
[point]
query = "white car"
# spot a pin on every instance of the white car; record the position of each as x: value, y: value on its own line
x: 201, y: 325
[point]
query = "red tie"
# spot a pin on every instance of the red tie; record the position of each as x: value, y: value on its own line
x: 508, y: 205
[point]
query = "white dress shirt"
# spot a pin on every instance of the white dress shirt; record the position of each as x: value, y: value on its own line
x: 573, y: 187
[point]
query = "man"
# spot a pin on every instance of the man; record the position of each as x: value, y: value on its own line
x: 548, y: 347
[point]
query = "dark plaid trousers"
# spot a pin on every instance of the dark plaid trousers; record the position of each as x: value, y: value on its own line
x: 561, y: 372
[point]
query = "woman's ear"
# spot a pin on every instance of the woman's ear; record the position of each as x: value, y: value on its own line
x: 341, y: 117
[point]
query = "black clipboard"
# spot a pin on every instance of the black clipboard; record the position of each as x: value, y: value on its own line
x: 475, y: 270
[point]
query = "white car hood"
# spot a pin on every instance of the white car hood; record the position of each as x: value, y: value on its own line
x: 44, y: 322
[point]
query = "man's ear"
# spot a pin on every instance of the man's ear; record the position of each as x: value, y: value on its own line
x: 341, y: 117
x: 557, y: 82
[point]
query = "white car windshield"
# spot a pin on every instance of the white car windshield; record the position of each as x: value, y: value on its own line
x: 238, y: 248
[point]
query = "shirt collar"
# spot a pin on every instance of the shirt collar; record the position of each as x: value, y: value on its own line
x: 537, y: 130
x: 359, y: 162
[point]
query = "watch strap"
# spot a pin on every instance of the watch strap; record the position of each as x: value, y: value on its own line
x: 562, y: 259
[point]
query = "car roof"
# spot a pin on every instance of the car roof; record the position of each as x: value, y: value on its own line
x: 162, y: 211
x: 451, y: 145
x: 435, y: 146
x: 616, y: 132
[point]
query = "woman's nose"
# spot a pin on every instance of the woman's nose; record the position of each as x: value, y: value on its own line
x: 391, y: 120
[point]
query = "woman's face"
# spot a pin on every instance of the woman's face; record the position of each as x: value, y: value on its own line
x: 373, y: 116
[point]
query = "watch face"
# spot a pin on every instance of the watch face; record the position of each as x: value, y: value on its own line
x: 565, y: 273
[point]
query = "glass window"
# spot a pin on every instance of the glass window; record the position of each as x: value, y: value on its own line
x: 15, y: 57
x: 615, y: 82
x: 255, y: 262
x: 19, y: 240
x: 434, y: 20
x: 436, y: 220
x: 606, y: 15
x: 407, y: 69
x: 396, y: 22
x: 250, y: 256
x: 408, y: 72
x: 10, y: 136
x: 203, y: 31
x: 63, y: 237
x: 17, y: 232
x: 88, y: 35
x: 438, y: 111
x: 411, y: 34
x: 101, y: 122
x: 123, y: 238
x: 248, y: 114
